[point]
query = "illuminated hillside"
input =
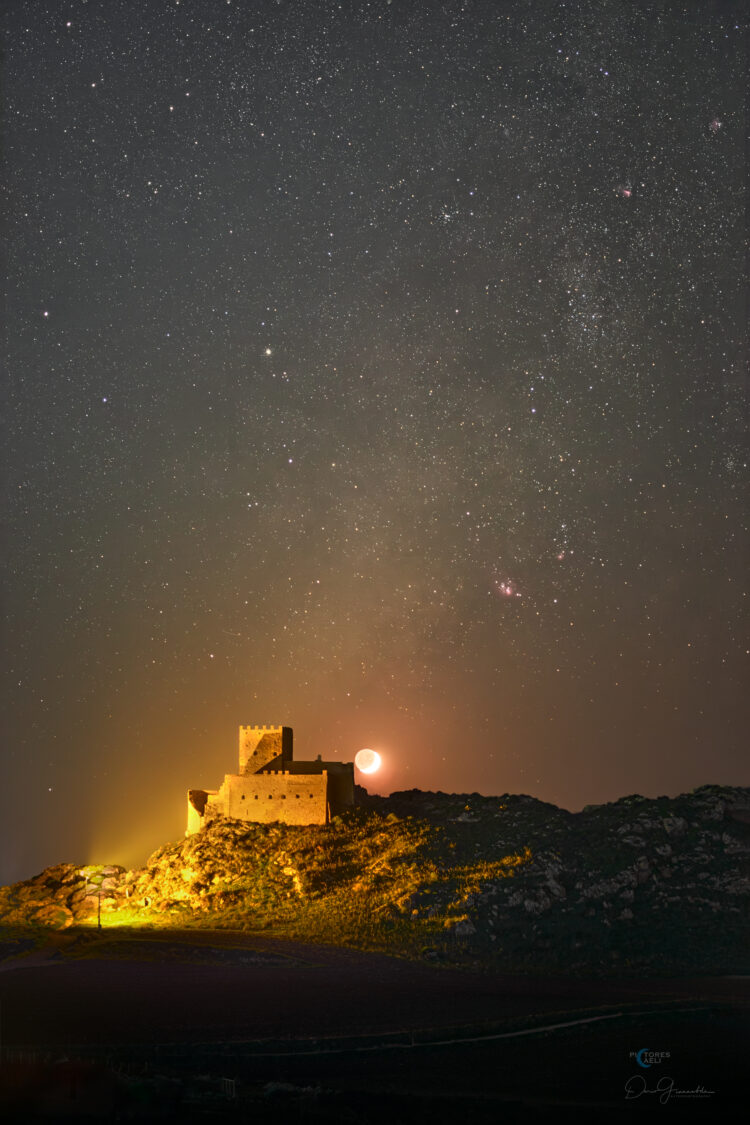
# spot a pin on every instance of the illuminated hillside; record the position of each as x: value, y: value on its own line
x: 511, y: 881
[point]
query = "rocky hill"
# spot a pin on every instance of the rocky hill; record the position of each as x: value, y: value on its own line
x: 639, y: 885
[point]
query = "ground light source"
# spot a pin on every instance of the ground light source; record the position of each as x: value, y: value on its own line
x: 90, y: 883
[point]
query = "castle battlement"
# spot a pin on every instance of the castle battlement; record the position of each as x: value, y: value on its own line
x: 290, y: 792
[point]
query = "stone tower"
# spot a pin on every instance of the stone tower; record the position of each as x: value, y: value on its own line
x: 265, y: 748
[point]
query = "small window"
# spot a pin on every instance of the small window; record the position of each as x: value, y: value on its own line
x: 256, y: 796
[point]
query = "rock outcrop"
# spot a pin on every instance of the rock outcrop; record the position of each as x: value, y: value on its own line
x: 63, y: 895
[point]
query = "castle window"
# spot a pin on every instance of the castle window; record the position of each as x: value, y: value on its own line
x: 256, y: 796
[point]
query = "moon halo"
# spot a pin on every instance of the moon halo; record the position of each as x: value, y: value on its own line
x: 367, y: 761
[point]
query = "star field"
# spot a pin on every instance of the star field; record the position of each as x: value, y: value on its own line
x: 377, y: 369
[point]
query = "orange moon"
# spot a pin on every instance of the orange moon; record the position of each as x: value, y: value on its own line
x: 367, y: 761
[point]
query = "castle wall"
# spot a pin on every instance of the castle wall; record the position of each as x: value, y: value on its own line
x: 341, y: 786
x: 265, y: 748
x: 273, y: 796
x: 197, y: 800
x: 340, y: 780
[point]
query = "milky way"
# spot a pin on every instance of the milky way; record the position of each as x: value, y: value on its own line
x: 375, y: 369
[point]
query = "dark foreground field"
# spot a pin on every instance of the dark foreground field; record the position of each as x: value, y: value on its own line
x: 221, y: 1026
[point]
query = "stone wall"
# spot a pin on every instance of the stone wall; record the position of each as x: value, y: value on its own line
x: 340, y: 780
x: 197, y: 800
x: 269, y: 796
x: 265, y: 748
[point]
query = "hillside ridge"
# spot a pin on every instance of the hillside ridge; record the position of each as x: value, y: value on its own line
x: 639, y: 884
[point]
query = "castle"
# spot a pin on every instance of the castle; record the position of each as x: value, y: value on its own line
x: 270, y: 785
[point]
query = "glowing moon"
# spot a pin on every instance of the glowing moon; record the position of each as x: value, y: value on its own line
x: 367, y: 761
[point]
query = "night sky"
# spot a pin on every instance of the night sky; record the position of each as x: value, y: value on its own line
x: 376, y: 369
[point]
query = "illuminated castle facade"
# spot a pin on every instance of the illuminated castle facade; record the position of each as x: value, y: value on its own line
x: 271, y: 786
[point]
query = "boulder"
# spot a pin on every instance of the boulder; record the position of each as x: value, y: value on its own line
x: 53, y: 915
